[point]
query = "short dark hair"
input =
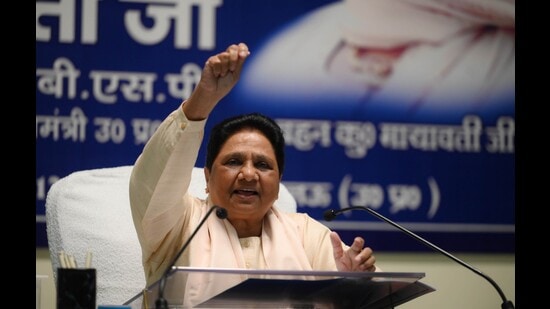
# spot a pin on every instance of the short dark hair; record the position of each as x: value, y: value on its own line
x: 222, y: 131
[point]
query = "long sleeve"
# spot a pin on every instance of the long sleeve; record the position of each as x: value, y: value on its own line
x: 158, y: 187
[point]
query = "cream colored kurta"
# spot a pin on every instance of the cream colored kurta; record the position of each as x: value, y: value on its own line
x: 165, y: 216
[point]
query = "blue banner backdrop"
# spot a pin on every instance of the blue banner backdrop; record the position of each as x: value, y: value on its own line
x: 405, y: 108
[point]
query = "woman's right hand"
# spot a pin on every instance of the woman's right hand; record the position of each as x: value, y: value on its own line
x: 220, y: 74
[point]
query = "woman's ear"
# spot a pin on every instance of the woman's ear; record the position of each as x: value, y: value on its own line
x: 206, y: 177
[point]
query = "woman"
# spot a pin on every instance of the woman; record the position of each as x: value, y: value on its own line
x: 244, y: 167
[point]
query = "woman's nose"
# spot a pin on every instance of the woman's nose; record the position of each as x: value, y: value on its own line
x: 248, y: 172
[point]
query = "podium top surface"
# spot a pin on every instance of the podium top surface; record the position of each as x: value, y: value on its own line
x: 264, y: 288
x: 309, y: 273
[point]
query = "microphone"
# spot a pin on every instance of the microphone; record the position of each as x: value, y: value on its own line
x: 330, y: 214
x: 162, y: 303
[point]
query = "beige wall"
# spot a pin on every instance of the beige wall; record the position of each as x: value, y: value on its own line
x: 456, y: 286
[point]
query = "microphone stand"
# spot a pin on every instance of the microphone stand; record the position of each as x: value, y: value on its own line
x: 331, y: 214
x: 161, y: 302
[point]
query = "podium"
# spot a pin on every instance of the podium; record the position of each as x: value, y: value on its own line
x: 246, y: 288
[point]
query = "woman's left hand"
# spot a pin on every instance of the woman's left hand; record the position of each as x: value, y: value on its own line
x: 354, y: 258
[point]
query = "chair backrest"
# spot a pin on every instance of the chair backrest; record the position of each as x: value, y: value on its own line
x: 89, y: 210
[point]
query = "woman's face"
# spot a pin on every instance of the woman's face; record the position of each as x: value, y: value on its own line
x: 245, y: 176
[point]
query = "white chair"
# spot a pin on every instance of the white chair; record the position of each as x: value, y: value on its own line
x: 89, y: 210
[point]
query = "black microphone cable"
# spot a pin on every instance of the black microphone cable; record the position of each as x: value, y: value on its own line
x: 330, y: 214
x: 161, y: 302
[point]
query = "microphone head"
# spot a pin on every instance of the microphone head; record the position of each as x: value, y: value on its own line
x: 329, y: 214
x: 221, y: 212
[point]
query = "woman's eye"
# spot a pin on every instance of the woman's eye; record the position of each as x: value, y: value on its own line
x: 233, y: 162
x: 262, y: 165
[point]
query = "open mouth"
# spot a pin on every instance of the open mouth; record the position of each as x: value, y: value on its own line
x: 245, y: 192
